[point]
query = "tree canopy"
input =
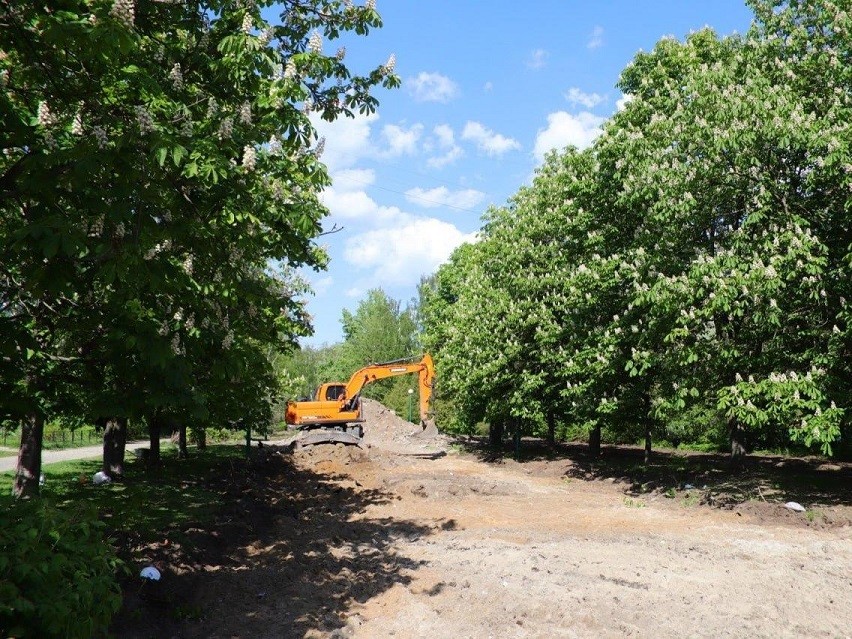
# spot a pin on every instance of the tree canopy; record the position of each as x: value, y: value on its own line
x: 688, y: 274
x: 158, y: 187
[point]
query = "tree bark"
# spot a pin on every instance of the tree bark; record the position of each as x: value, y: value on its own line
x: 115, y: 440
x: 183, y: 453
x: 28, y: 471
x: 495, y: 434
x: 647, y: 442
x: 595, y: 441
x: 155, y: 424
x: 738, y: 449
x: 551, y: 429
x: 200, y: 437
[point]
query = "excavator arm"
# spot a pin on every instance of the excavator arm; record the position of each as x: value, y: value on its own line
x: 425, y: 370
x: 346, y: 408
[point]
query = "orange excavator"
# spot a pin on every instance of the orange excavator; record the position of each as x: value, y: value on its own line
x: 338, y: 405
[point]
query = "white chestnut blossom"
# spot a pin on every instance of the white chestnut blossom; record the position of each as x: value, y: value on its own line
x: 176, y: 76
x: 101, y: 136
x: 124, y: 11
x: 225, y: 129
x: 45, y: 117
x: 315, y: 43
x: 77, y: 124
x: 249, y: 158
x: 320, y: 148
x: 248, y: 24
x: 390, y: 65
x: 245, y: 113
x: 144, y: 119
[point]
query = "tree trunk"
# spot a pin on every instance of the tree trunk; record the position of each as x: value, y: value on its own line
x: 647, y: 442
x: 495, y: 434
x: 738, y: 449
x: 183, y: 453
x: 595, y: 441
x: 28, y: 470
x: 115, y: 439
x: 516, y: 437
x: 155, y: 423
x: 551, y: 429
x: 200, y: 437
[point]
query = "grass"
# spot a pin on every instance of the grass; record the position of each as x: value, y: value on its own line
x: 146, y: 503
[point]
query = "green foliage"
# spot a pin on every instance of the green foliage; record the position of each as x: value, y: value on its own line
x: 57, y: 572
x: 159, y: 178
x: 688, y: 274
x: 379, y: 330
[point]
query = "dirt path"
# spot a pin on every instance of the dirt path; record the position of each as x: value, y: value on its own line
x: 411, y: 539
x: 67, y: 454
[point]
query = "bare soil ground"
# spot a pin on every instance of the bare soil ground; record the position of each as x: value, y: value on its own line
x: 433, y: 538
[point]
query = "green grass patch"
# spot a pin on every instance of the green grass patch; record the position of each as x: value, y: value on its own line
x: 146, y: 502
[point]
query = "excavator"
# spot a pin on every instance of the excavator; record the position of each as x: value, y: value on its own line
x: 336, y: 406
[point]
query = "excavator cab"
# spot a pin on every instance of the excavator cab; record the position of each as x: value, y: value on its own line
x: 332, y: 393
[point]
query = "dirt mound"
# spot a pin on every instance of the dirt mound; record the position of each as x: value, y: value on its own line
x: 383, y: 428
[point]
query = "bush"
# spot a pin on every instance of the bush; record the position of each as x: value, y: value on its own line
x: 57, y: 572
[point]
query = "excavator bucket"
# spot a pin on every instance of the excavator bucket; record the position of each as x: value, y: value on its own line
x: 430, y: 430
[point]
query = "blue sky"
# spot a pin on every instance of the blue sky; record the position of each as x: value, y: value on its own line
x: 488, y: 88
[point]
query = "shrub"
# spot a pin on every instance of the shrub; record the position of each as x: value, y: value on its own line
x: 57, y: 572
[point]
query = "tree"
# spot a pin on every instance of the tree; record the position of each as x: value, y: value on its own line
x: 695, y: 261
x: 157, y: 158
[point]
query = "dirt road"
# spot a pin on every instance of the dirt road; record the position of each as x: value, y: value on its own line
x: 412, y: 539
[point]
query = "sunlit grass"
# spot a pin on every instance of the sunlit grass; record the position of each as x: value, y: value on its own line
x: 147, y: 502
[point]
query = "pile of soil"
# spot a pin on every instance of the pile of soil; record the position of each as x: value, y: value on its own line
x: 407, y: 537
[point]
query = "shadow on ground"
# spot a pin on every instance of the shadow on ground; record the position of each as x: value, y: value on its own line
x: 280, y: 558
x: 709, y: 478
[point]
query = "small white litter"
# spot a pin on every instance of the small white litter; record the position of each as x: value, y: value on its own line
x: 792, y: 505
x: 41, y: 480
x: 149, y: 572
x: 101, y: 477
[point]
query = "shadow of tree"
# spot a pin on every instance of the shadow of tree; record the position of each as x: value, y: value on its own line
x: 289, y: 553
x: 773, y: 478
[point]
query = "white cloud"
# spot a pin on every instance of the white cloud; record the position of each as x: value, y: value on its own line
x: 446, y: 140
x: 347, y: 140
x: 432, y: 87
x: 347, y: 200
x: 442, y: 196
x: 589, y: 100
x: 400, y: 255
x: 361, y: 177
x: 564, y: 129
x: 595, y: 38
x: 621, y: 104
x: 488, y: 86
x: 449, y: 157
x: 400, y: 141
x: 445, y: 135
x: 537, y: 59
x: 487, y: 140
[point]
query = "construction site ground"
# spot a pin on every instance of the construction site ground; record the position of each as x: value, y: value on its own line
x: 436, y: 538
